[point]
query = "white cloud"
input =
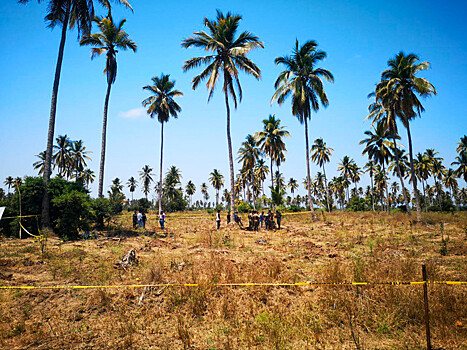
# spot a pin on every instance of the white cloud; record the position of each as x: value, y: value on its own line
x: 135, y: 113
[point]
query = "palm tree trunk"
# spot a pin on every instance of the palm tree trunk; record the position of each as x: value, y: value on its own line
x: 229, y: 143
x: 399, y: 174
x: 310, y: 201
x: 414, y: 178
x: 104, y: 140
x: 372, y: 195
x: 217, y: 197
x: 272, y: 177
x: 387, y: 191
x: 45, y: 220
x: 424, y: 195
x: 160, y: 168
x: 327, y: 191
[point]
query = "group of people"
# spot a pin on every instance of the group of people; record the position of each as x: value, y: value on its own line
x: 255, y: 220
x: 139, y: 219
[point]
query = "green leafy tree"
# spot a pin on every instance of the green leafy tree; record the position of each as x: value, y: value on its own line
x: 109, y: 40
x: 228, y: 57
x: 302, y: 79
x: 161, y: 105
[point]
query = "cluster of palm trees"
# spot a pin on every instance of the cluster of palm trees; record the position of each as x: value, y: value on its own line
x: 396, y: 99
x: 69, y: 158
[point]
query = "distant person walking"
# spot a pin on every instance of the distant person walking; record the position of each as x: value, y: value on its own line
x: 162, y: 219
x: 278, y: 219
x: 143, y: 219
x: 261, y: 218
x: 135, y: 220
x: 140, y: 219
x: 228, y: 217
x: 218, y: 219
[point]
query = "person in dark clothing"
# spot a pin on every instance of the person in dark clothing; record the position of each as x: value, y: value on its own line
x: 238, y: 219
x: 278, y: 218
x: 261, y: 218
x: 228, y: 218
x: 143, y: 219
x: 135, y: 220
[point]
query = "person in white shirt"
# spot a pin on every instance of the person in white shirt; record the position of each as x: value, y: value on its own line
x: 218, y: 219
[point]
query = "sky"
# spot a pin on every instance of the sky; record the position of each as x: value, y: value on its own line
x: 359, y: 37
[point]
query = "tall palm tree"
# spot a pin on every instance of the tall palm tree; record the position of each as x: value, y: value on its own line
x: 87, y: 176
x: 111, y: 38
x: 61, y: 156
x: 462, y: 145
x: 422, y: 170
x: 228, y: 57
x: 270, y: 141
x: 204, y: 192
x: 132, y: 184
x: 67, y: 14
x: 293, y: 185
x: 78, y: 157
x: 450, y: 181
x: 302, y: 79
x: 40, y: 164
x: 320, y: 154
x: 161, y: 105
x: 370, y: 168
x: 248, y: 153
x: 437, y: 169
x: 172, y: 180
x: 379, y: 149
x: 146, y: 179
x: 346, y: 168
x: 401, y: 83
x: 461, y: 162
x: 260, y: 171
x: 217, y: 181
x: 9, y: 182
x: 190, y: 189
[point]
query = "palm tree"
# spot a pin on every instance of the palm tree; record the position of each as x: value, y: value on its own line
x: 87, y: 176
x: 346, y: 168
x: 110, y: 38
x: 132, y: 184
x: 40, y: 164
x: 248, y: 153
x: 370, y: 168
x: 461, y: 162
x: 437, y: 169
x: 270, y: 141
x: 217, y: 181
x: 172, y: 180
x: 163, y: 106
x: 146, y: 179
x: 260, y: 171
x: 9, y: 182
x: 227, y: 58
x: 450, y: 181
x: 400, y: 83
x: 293, y: 185
x: 302, y: 79
x: 321, y: 155
x: 204, y: 192
x: 78, y: 157
x: 67, y: 14
x: 62, y: 155
x: 190, y: 189
x: 422, y: 170
x: 379, y: 149
x: 462, y: 145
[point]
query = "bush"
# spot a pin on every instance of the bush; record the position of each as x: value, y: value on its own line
x: 74, y: 214
x: 101, y: 210
x: 243, y: 207
x: 357, y: 204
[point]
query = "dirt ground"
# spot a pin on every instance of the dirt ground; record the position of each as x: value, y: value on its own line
x: 338, y: 247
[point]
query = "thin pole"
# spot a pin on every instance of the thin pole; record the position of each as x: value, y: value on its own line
x: 427, y: 313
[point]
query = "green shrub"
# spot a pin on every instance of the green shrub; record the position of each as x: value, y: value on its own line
x: 101, y: 210
x: 243, y: 207
x: 74, y: 214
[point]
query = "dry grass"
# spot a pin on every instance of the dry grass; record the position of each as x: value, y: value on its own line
x: 339, y: 247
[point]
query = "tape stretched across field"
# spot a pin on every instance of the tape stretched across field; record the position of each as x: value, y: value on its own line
x: 180, y: 285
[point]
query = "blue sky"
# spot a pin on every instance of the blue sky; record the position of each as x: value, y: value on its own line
x: 358, y: 36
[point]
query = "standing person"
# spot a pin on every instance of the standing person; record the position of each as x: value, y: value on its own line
x: 218, y: 219
x: 278, y: 218
x: 135, y: 220
x: 250, y: 220
x: 255, y: 221
x: 162, y: 219
x: 140, y: 219
x: 143, y: 219
x: 261, y: 218
x: 228, y: 217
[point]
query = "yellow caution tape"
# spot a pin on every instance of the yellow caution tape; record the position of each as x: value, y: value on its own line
x: 22, y: 216
x: 179, y: 285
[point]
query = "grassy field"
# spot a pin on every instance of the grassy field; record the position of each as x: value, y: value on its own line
x: 338, y: 247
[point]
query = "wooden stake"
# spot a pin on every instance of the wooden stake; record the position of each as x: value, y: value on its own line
x: 427, y: 313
